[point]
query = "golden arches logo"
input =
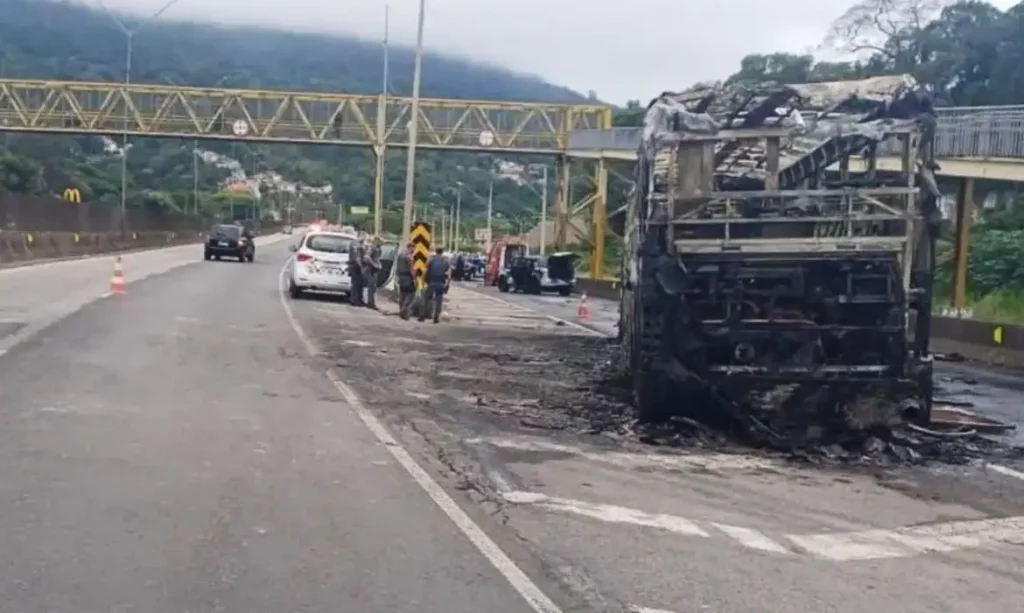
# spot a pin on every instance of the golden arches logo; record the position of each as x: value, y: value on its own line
x: 72, y: 194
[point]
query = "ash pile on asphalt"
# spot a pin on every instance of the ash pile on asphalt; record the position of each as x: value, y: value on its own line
x: 600, y: 402
x: 575, y: 384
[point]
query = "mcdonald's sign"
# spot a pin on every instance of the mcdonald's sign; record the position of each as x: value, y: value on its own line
x: 72, y: 194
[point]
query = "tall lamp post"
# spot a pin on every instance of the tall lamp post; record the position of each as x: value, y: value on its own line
x: 195, y: 148
x: 414, y: 114
x: 129, y: 34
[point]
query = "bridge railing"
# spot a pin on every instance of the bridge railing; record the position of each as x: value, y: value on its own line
x: 992, y: 131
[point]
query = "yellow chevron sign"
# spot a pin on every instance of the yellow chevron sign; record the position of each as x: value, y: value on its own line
x: 72, y: 194
x: 420, y: 238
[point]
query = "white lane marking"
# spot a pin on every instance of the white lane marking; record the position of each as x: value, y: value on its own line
x: 873, y: 544
x: 1006, y: 471
x: 536, y: 312
x: 609, y: 513
x: 638, y: 609
x: 911, y: 540
x: 708, y: 461
x: 753, y: 539
x: 521, y: 583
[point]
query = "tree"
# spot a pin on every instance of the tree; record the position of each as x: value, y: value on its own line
x: 886, y: 29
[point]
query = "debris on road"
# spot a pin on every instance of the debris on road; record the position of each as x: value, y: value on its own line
x: 469, y: 378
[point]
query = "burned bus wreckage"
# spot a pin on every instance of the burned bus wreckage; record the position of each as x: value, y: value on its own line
x: 763, y: 281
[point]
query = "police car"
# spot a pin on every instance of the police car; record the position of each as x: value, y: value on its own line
x: 321, y: 263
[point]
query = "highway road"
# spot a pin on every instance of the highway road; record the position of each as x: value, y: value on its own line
x: 175, y: 450
x: 204, y: 444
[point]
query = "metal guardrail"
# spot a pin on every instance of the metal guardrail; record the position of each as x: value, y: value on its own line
x: 986, y: 131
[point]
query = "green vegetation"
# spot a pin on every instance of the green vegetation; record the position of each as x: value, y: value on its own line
x: 61, y: 40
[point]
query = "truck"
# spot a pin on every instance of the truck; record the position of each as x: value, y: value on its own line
x: 773, y: 269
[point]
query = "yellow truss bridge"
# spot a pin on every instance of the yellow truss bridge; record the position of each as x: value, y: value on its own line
x: 291, y: 117
x: 375, y: 121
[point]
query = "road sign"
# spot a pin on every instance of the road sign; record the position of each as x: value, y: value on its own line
x: 240, y: 128
x: 486, y: 138
x: 359, y: 211
x: 482, y: 235
x: 72, y: 194
x: 420, y: 238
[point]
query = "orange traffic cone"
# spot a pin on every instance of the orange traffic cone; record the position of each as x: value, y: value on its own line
x: 582, y: 312
x: 117, y: 280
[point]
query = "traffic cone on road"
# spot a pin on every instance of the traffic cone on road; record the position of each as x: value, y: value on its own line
x: 582, y: 312
x: 117, y: 280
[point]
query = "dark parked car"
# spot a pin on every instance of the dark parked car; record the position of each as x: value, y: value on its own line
x: 230, y: 240
x: 534, y: 274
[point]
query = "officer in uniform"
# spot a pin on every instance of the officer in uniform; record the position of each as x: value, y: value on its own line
x: 439, y: 275
x: 371, y: 270
x: 406, y: 278
x: 355, y: 271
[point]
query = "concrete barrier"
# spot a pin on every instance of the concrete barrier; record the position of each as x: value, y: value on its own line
x: 983, y: 341
x: 24, y: 246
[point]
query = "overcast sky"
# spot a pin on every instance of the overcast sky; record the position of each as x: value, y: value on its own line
x: 622, y: 49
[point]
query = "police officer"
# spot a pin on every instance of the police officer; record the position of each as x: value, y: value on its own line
x: 355, y: 271
x: 406, y: 278
x: 439, y: 274
x: 371, y: 270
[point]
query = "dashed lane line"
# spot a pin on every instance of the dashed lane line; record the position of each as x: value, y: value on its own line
x: 608, y: 513
x: 517, y: 579
x: 753, y: 539
x: 505, y: 305
x: 1006, y: 471
x: 669, y: 461
x: 873, y: 544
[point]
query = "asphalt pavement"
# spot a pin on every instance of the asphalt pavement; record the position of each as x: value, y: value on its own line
x: 180, y: 449
x: 690, y: 530
x: 175, y: 450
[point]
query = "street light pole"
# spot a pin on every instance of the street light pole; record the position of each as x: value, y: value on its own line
x: 130, y: 37
x: 490, y: 210
x: 414, y: 114
x: 458, y: 217
x: 544, y: 211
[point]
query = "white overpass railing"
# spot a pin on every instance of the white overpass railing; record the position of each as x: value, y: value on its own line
x: 984, y: 131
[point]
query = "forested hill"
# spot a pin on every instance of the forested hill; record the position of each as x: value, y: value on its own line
x: 62, y: 40
x: 44, y: 39
x: 970, y: 53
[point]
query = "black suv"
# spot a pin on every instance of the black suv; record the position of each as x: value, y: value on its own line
x: 232, y: 241
x: 534, y: 274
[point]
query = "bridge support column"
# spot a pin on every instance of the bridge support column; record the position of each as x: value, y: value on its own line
x: 562, y: 169
x: 599, y: 217
x: 964, y: 214
x: 379, y: 152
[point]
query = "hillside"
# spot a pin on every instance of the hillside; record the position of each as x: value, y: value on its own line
x: 44, y: 39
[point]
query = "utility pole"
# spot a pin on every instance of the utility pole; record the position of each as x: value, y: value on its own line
x: 490, y: 210
x: 129, y: 34
x: 443, y: 239
x: 451, y: 226
x: 544, y: 210
x: 195, y: 176
x: 380, y: 150
x: 414, y: 114
x: 458, y: 218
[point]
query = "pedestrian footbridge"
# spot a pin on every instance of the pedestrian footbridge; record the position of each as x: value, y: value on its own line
x: 970, y: 142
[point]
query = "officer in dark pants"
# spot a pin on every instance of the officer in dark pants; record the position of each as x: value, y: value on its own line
x: 371, y: 271
x: 355, y: 272
x: 406, y: 281
x: 439, y: 274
